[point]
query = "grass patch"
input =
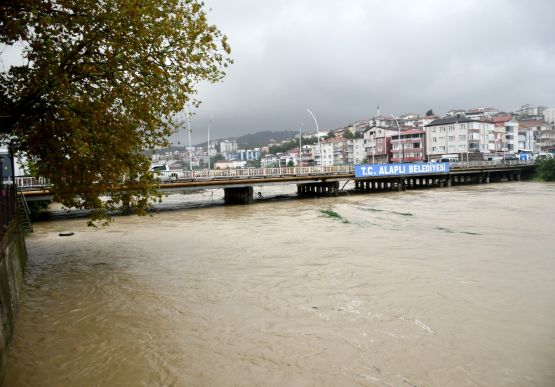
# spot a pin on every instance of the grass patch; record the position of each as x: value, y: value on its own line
x: 444, y: 229
x: 330, y: 213
x: 469, y: 233
x: 402, y: 213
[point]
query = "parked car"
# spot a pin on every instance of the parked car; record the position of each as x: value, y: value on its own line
x: 166, y: 174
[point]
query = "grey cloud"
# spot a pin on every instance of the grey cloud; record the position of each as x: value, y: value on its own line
x: 341, y: 59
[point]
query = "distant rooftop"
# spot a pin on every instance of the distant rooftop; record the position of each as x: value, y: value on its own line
x: 449, y: 120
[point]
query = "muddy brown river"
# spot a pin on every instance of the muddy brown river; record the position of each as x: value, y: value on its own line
x: 438, y: 287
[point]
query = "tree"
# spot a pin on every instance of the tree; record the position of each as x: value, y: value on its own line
x: 218, y: 157
x: 429, y: 113
x: 253, y: 163
x: 348, y: 134
x: 290, y: 163
x: 103, y: 81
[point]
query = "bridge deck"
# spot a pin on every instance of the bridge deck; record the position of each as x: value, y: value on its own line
x: 39, y: 189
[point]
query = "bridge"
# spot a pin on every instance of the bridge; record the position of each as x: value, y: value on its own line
x: 314, y: 181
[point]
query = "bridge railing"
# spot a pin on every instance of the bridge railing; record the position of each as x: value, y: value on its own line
x: 31, y: 182
x: 261, y: 172
x: 478, y: 164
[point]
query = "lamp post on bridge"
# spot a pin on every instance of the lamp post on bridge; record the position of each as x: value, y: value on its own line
x: 317, y: 134
x: 301, y: 145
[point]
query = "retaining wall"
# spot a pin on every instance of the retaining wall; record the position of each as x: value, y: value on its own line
x: 13, y: 256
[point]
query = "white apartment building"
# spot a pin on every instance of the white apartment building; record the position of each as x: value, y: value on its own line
x: 333, y: 152
x: 466, y: 138
x: 325, y: 158
x: 355, y: 150
x: 269, y: 160
x: 287, y: 158
x: 506, y: 136
x: 228, y: 146
x: 549, y: 115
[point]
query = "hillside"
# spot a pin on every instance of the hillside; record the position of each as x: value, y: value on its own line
x: 259, y: 139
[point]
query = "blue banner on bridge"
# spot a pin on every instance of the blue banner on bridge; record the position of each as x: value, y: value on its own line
x: 377, y: 170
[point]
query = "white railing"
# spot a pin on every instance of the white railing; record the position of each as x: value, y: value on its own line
x: 30, y: 182
x: 479, y: 164
x: 264, y: 172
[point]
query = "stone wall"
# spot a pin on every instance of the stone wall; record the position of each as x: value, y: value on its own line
x: 13, y: 256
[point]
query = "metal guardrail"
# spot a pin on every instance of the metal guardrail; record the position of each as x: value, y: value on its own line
x: 30, y: 182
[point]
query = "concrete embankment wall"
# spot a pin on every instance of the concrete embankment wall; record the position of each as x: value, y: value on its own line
x: 13, y: 256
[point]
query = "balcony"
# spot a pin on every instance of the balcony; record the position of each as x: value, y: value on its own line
x: 407, y: 159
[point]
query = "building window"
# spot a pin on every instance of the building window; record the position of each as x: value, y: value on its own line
x: 462, y: 137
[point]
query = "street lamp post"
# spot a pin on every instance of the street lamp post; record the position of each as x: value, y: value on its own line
x: 208, y: 142
x: 402, y: 159
x: 301, y: 145
x: 317, y: 134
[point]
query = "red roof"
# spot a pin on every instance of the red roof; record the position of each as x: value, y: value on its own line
x: 530, y: 123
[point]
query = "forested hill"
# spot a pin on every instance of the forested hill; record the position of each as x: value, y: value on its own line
x: 259, y: 139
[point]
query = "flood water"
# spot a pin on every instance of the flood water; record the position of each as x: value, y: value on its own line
x: 442, y: 287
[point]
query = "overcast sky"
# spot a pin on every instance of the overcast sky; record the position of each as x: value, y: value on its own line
x: 342, y: 58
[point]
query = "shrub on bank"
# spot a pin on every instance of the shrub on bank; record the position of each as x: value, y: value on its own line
x: 545, y: 170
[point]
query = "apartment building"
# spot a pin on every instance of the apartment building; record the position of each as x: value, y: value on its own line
x: 356, y: 152
x: 544, y: 135
x: 505, y: 134
x: 408, y: 146
x: 377, y: 143
x: 461, y: 136
x: 549, y: 115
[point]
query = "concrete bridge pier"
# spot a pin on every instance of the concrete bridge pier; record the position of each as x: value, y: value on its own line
x: 401, y: 184
x: 238, y: 195
x: 326, y: 188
